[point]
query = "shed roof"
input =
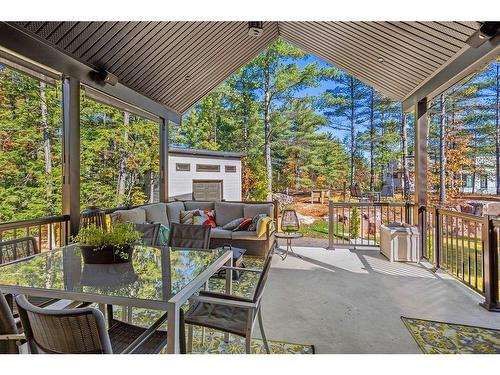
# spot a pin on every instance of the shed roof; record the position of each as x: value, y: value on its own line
x: 178, y: 63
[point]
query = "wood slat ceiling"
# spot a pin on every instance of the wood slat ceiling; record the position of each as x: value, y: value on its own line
x: 178, y: 63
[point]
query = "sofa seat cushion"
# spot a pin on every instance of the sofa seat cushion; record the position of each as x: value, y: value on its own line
x: 252, y: 210
x: 199, y: 205
x: 156, y: 213
x: 218, y: 232
x: 174, y: 212
x: 247, y: 235
x: 135, y: 215
x: 227, y: 211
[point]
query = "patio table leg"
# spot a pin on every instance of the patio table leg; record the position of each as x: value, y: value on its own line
x: 173, y: 332
x: 229, y: 287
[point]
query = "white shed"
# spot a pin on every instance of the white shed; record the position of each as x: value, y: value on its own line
x: 204, y: 174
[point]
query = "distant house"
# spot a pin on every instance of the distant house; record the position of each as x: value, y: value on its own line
x: 204, y: 174
x: 483, y: 182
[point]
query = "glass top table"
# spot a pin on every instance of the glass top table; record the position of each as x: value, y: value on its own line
x: 160, y: 278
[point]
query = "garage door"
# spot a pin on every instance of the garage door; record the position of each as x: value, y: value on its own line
x: 207, y: 190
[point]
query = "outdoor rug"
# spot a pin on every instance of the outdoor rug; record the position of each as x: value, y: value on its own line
x: 447, y: 338
x: 214, y: 344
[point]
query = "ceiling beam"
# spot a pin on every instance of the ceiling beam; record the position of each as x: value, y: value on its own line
x: 20, y: 42
x: 469, y: 61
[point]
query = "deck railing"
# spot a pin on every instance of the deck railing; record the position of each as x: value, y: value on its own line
x: 50, y: 232
x: 358, y: 223
x: 464, y: 245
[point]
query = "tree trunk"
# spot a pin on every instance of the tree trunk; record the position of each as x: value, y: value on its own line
x: 372, y: 140
x: 442, y: 151
x: 497, y: 128
x: 267, y: 132
x: 353, y: 132
x: 122, y: 168
x: 404, y: 146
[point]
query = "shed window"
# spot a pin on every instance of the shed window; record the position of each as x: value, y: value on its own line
x: 182, y: 167
x: 230, y: 168
x: 207, y: 168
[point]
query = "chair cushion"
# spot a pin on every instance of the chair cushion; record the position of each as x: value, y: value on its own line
x: 251, y: 210
x: 193, y: 205
x: 219, y: 232
x: 156, y: 213
x: 135, y: 215
x: 233, y: 223
x: 204, y: 217
x: 174, y: 212
x: 186, y: 217
x: 262, y: 225
x: 243, y: 225
x: 245, y: 235
x: 226, y: 211
x: 226, y: 318
x: 255, y: 220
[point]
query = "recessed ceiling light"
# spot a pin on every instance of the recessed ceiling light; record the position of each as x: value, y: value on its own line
x: 380, y: 59
x: 482, y: 36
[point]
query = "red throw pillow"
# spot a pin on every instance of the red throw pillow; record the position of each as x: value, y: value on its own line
x: 210, y: 222
x: 243, y: 225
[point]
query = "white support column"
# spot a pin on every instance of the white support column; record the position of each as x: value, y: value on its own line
x: 71, y: 152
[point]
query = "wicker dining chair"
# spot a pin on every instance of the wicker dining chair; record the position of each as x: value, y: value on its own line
x: 189, y: 236
x: 229, y: 313
x: 83, y: 331
x: 11, y: 337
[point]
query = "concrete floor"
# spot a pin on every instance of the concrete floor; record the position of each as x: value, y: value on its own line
x: 351, y: 301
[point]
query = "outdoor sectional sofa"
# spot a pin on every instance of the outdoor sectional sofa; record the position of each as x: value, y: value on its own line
x: 167, y: 213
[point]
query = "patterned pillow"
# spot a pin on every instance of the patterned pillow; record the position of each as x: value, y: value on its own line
x: 253, y: 225
x: 186, y: 217
x: 204, y: 217
x: 233, y: 224
x: 243, y: 225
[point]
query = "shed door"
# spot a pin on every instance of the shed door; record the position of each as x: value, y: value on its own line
x: 207, y: 190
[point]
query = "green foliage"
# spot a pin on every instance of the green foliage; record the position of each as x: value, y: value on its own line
x: 120, y: 234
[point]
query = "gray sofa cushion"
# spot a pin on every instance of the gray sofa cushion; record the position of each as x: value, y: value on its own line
x: 174, y: 211
x: 246, y: 235
x: 135, y: 215
x: 156, y: 213
x: 250, y: 210
x: 221, y: 233
x: 226, y: 211
x: 197, y: 205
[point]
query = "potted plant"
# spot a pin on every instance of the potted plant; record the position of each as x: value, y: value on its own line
x: 99, y: 246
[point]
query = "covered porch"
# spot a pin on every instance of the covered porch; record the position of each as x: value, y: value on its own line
x: 341, y: 300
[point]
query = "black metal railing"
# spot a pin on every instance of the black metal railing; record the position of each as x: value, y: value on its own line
x: 50, y: 232
x: 358, y: 223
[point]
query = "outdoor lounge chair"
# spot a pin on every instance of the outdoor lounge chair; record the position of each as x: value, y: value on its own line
x: 83, y: 331
x: 229, y: 313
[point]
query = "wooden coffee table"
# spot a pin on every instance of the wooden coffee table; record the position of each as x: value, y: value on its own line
x: 289, y: 237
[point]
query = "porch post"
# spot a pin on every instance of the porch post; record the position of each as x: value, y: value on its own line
x: 421, y: 135
x: 490, y: 265
x: 164, y: 160
x: 71, y: 152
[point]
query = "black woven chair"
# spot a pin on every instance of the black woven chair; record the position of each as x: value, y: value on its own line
x: 83, y: 331
x: 229, y: 313
x: 11, y: 337
x: 189, y: 236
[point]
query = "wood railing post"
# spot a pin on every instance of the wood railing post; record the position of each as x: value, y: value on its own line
x: 422, y: 223
x: 330, y: 225
x: 490, y: 268
x: 438, y: 238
